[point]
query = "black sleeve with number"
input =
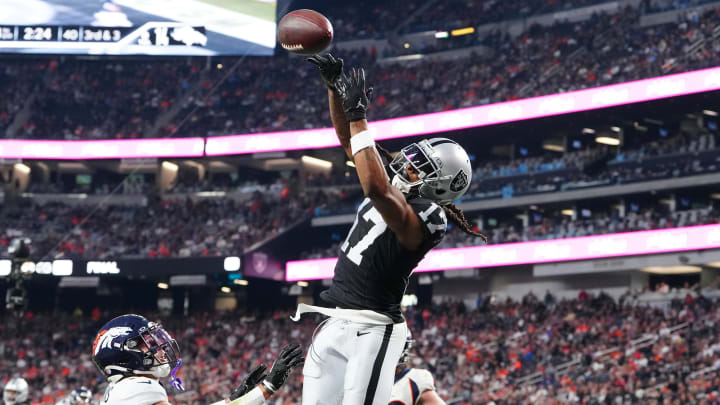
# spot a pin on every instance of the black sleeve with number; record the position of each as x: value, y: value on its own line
x: 373, y: 268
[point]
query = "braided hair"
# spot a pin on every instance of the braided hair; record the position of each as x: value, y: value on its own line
x: 454, y: 213
x: 458, y: 217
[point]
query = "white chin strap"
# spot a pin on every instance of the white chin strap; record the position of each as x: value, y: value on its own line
x: 401, y: 184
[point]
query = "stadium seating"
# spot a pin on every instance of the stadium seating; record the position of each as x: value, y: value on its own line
x: 591, y: 350
x: 73, y: 99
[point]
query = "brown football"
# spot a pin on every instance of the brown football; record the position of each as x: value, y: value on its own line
x: 305, y: 32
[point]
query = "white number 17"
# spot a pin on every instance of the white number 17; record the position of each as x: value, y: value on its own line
x: 379, y: 226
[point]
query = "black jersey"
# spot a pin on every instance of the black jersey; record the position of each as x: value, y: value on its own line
x: 373, y: 268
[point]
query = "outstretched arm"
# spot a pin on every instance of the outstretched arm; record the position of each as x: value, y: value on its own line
x: 331, y: 69
x: 342, y: 127
x: 258, y: 386
x: 388, y: 200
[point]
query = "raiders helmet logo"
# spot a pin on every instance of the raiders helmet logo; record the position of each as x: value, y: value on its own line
x: 459, y: 182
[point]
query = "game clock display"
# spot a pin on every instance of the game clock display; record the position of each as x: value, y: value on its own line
x: 159, y: 34
x: 138, y: 27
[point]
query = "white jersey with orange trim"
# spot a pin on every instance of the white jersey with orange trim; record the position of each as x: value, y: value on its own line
x: 409, y: 385
x: 135, y: 391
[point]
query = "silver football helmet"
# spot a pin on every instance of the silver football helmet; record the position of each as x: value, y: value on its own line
x: 16, y: 391
x: 405, y: 356
x: 443, y: 169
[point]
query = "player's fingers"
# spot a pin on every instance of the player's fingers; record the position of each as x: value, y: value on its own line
x: 258, y: 370
x: 313, y: 60
x: 289, y: 349
x: 297, y: 351
x: 369, y: 93
x: 296, y: 362
x: 330, y: 58
x: 361, y: 78
x: 340, y: 61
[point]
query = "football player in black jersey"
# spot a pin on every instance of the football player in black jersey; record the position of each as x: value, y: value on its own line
x: 352, y: 357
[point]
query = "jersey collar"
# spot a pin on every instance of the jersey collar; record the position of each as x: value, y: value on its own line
x: 402, y: 374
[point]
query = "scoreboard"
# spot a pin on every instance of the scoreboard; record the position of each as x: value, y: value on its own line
x: 168, y: 38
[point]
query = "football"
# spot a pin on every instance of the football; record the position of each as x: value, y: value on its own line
x: 305, y: 32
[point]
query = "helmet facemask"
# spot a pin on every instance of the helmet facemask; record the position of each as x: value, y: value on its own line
x: 162, y: 353
x: 419, y: 156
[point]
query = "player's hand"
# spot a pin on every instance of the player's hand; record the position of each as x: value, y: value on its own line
x: 251, y: 381
x: 330, y: 68
x: 355, y: 97
x: 290, y: 357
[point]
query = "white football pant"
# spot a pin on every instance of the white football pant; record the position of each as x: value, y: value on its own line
x: 352, y: 363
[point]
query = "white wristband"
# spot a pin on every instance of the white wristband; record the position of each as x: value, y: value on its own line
x: 360, y: 141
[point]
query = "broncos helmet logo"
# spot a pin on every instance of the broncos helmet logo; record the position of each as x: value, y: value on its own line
x: 105, y: 337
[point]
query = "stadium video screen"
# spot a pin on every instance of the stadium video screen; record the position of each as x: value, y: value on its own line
x: 138, y: 27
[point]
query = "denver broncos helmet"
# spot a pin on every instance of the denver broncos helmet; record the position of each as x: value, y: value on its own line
x: 132, y: 345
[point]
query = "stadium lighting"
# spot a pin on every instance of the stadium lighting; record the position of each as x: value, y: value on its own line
x: 163, y: 286
x: 679, y: 269
x: 219, y: 65
x: 303, y: 283
x: 225, y: 290
x: 350, y: 163
x: 462, y: 31
x: 615, y: 129
x: 231, y: 263
x: 553, y: 147
x: 441, y: 34
x: 714, y: 264
x: 715, y: 196
x: 568, y: 212
x: 210, y: 194
x: 22, y: 168
x: 406, y: 45
x: 5, y: 268
x: 319, y: 163
x: 606, y: 140
x: 710, y: 113
x: 170, y: 166
x: 588, y: 131
x: 240, y: 282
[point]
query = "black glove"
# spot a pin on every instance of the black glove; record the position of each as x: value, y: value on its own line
x: 290, y: 356
x: 251, y: 381
x: 355, y: 98
x: 330, y: 68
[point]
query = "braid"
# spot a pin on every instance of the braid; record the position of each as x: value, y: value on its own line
x: 458, y: 217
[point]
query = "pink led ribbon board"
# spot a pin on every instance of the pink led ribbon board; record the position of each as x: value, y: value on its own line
x: 546, y: 251
x: 564, y: 103
x: 102, y: 149
x: 556, y: 104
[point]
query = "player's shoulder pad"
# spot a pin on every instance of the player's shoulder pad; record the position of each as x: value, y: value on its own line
x: 137, y: 391
x: 423, y: 379
x: 431, y: 214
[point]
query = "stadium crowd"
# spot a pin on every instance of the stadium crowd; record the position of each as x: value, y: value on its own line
x: 162, y: 228
x: 553, y: 226
x: 180, y: 227
x: 534, y: 351
x: 81, y: 99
